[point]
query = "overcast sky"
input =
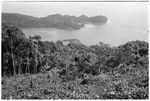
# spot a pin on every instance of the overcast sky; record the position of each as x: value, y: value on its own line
x: 40, y: 9
x: 124, y: 12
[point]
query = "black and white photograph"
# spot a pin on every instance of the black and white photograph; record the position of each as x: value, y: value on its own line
x: 74, y: 49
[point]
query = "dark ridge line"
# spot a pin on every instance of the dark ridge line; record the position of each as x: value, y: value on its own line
x: 81, y: 1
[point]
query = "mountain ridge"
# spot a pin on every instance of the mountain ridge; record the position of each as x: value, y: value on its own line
x: 52, y: 21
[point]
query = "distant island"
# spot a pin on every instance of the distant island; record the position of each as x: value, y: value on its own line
x: 51, y: 21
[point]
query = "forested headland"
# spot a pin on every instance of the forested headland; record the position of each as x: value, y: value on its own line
x: 52, y: 21
x: 36, y: 69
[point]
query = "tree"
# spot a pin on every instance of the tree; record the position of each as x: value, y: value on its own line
x: 12, y: 38
x: 36, y: 39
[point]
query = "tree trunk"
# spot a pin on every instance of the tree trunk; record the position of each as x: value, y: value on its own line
x: 14, y: 71
x: 27, y: 67
x: 36, y: 60
x: 28, y: 64
x: 36, y: 64
x: 20, y: 70
x: 12, y: 57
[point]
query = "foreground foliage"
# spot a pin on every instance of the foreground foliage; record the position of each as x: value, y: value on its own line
x: 35, y: 69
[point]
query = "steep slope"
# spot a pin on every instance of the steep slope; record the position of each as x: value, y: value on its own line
x: 20, y: 20
x: 51, y: 21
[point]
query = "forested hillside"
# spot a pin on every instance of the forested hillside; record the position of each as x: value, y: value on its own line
x: 51, y: 21
x: 35, y: 69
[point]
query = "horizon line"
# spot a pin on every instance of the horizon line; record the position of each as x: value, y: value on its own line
x: 52, y: 14
x: 82, y: 1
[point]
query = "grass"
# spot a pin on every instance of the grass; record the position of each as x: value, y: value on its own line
x: 103, y: 86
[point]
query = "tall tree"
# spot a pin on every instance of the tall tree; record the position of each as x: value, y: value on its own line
x: 11, y: 39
